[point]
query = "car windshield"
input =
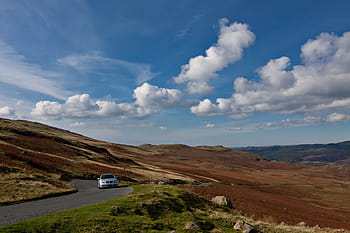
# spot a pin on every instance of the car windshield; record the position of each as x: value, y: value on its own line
x: 109, y: 176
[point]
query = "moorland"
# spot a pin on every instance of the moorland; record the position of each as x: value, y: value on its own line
x: 37, y: 161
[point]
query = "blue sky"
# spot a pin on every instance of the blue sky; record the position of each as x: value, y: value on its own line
x: 226, y: 72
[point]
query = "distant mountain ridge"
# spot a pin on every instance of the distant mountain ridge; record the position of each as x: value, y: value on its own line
x: 308, y: 154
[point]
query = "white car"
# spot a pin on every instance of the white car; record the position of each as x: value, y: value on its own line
x: 107, y: 180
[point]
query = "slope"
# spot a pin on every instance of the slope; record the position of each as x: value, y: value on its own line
x: 37, y: 160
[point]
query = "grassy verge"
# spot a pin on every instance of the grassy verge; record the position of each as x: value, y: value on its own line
x: 149, y: 208
x: 18, y: 186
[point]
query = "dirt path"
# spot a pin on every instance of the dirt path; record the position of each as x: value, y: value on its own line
x: 88, y: 193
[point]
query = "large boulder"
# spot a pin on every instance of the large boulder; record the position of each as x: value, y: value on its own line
x: 244, y: 227
x: 222, y: 201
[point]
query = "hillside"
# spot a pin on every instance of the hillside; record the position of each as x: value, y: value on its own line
x: 312, y: 154
x: 38, y: 160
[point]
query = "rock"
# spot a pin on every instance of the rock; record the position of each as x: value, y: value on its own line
x: 190, y: 225
x: 302, y: 224
x: 222, y: 201
x: 244, y: 227
x: 161, y: 183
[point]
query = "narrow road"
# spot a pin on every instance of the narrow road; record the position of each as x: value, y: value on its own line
x: 88, y: 193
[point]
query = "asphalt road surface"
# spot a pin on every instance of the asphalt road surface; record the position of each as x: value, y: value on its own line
x: 88, y: 193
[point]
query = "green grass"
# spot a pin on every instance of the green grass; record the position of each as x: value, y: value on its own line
x: 150, y: 208
x: 18, y: 186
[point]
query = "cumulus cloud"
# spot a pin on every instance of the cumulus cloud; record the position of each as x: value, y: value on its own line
x: 79, y: 106
x: 96, y: 62
x: 148, y: 95
x: 320, y: 84
x: 149, y: 100
x: 233, y: 38
x: 16, y: 71
x: 6, y: 111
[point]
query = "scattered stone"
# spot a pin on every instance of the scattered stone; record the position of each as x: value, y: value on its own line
x: 302, y: 224
x: 222, y: 201
x: 116, y: 210
x: 190, y: 225
x: 283, y: 224
x: 161, y: 183
x: 244, y: 227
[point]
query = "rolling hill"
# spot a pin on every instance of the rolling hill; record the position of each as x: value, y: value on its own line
x: 310, y: 154
x: 37, y: 160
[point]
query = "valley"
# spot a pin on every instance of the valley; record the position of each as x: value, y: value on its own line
x: 37, y: 161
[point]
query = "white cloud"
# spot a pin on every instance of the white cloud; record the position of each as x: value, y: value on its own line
x: 149, y: 100
x: 77, y: 124
x: 306, y: 120
x: 336, y: 117
x: 6, y: 111
x: 148, y: 95
x: 234, y: 129
x: 96, y: 62
x: 141, y: 125
x: 163, y: 128
x: 311, y: 119
x: 223, y: 106
x: 123, y: 110
x: 82, y: 106
x: 233, y: 38
x: 182, y: 33
x: 321, y: 84
x: 208, y: 126
x: 287, y: 123
x: 75, y: 106
x: 16, y: 71
x: 19, y: 102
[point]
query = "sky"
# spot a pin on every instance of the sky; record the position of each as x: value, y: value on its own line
x: 225, y: 72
